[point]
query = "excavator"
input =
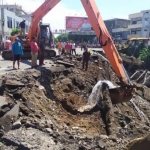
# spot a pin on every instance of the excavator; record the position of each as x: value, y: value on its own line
x: 126, y: 89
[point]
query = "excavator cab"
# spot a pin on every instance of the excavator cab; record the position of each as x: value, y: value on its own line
x: 45, y: 32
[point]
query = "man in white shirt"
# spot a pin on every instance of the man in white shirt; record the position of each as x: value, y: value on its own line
x: 73, y: 46
x: 85, y: 26
x: 63, y: 47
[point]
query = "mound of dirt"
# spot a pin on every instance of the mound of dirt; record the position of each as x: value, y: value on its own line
x: 40, y: 107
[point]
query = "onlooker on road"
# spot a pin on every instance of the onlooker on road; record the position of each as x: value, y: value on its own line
x: 34, y: 52
x: 1, y: 47
x: 63, y: 47
x: 68, y: 48
x: 59, y: 47
x: 73, y: 48
x: 86, y: 58
x: 22, y: 28
x: 83, y: 46
x: 41, y: 51
x: 70, y: 43
x: 17, y: 52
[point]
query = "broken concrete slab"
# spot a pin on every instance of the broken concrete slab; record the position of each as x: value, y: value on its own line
x: 6, y: 123
x: 66, y: 64
x: 55, y: 68
x: 3, y: 111
x: 14, y: 112
x: 101, y: 144
x: 14, y: 83
x: 36, y: 75
x: 7, y: 120
x: 3, y: 101
x: 131, y: 60
x: 16, y: 125
x: 79, y: 58
x: 31, y: 139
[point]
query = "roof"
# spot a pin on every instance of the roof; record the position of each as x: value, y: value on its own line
x: 142, y: 38
x: 44, y: 24
x: 116, y: 19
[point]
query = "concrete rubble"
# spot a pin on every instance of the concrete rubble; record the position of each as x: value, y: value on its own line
x: 39, y: 109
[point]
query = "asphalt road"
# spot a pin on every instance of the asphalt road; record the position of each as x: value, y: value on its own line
x: 6, y: 65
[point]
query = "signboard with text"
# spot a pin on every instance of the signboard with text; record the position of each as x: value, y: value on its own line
x: 78, y: 24
x: 146, y: 24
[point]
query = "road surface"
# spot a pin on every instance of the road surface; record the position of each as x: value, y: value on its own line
x: 6, y: 65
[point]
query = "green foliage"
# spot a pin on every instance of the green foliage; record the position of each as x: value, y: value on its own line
x: 75, y: 38
x: 55, y: 40
x: 145, y: 55
x: 62, y: 37
x: 15, y: 31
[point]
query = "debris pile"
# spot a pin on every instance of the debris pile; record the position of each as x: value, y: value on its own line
x: 39, y: 109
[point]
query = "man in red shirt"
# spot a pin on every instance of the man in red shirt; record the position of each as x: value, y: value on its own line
x: 68, y: 48
x: 34, y: 52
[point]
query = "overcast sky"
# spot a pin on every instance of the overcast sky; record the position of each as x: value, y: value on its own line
x: 108, y: 8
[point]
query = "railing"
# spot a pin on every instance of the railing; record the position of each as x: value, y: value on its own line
x: 131, y: 26
x: 134, y: 36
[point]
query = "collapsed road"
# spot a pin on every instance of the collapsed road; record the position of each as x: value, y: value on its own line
x: 39, y: 109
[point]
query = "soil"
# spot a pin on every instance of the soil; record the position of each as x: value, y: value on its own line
x: 48, y: 118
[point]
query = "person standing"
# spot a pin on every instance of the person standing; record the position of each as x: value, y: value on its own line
x: 43, y: 33
x: 17, y: 52
x: 59, y: 47
x: 68, y: 48
x: 22, y: 26
x: 63, y: 48
x: 41, y: 51
x: 73, y: 48
x: 34, y: 52
x: 85, y: 59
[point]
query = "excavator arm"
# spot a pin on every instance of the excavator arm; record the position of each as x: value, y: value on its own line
x: 125, y: 92
x: 38, y: 15
x: 105, y: 39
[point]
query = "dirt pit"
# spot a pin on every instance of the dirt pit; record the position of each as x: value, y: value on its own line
x: 46, y: 113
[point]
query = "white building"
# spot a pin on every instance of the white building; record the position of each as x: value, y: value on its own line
x: 139, y: 24
x: 11, y: 20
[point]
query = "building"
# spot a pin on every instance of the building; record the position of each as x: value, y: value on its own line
x: 10, y: 17
x: 118, y: 28
x: 139, y: 24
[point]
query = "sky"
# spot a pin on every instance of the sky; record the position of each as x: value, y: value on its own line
x: 109, y: 9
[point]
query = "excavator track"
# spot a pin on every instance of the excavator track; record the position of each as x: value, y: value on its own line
x: 7, y: 55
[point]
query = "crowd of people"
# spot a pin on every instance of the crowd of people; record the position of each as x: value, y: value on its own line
x: 37, y: 49
x: 66, y: 48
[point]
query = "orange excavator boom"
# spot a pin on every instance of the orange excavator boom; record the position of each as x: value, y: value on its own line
x: 125, y: 92
x: 38, y: 15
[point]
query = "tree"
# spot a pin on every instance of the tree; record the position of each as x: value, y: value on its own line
x: 63, y: 37
x: 55, y: 40
x: 145, y: 55
x: 75, y: 38
x: 15, y: 31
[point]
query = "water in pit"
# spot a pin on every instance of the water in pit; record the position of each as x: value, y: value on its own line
x: 94, y: 99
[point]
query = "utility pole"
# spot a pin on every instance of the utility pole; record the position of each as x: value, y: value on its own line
x: 2, y: 20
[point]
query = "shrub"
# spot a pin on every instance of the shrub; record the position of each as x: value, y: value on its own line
x: 144, y: 55
x: 15, y: 31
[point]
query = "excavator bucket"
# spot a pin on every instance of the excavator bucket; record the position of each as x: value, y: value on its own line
x: 121, y: 94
